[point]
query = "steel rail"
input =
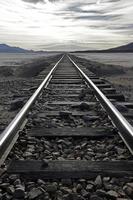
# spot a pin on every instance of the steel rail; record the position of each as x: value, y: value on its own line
x: 9, y: 133
x: 124, y: 127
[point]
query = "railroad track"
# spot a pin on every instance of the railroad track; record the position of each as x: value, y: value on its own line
x: 74, y: 127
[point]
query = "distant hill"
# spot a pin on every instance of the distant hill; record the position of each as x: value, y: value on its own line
x: 128, y: 48
x: 124, y: 48
x: 4, y: 48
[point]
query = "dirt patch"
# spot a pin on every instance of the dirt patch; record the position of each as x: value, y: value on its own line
x: 34, y: 68
x: 120, y: 77
x: 17, y: 84
x: 100, y: 69
x: 6, y: 71
x: 124, y: 83
x: 30, y: 69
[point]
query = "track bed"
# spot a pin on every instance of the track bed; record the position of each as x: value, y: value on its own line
x: 69, y: 147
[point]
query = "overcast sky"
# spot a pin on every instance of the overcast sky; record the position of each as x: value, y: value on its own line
x: 66, y: 24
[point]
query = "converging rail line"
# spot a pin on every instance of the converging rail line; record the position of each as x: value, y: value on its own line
x: 125, y: 129
x: 71, y: 103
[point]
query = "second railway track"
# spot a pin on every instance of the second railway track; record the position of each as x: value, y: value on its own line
x: 73, y: 137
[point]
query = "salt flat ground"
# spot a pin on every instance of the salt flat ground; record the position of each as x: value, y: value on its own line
x: 123, y: 59
x: 13, y: 59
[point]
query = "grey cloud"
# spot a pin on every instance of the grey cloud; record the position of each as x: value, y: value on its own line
x: 33, y: 1
x: 122, y: 27
x: 114, y: 1
x: 93, y: 17
x: 53, y: 0
x: 32, y: 7
x: 37, y: 1
x: 76, y: 7
x: 32, y: 27
x: 85, y: 22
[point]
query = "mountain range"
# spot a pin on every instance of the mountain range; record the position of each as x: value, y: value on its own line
x: 128, y: 48
x: 124, y: 48
x: 4, y: 48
